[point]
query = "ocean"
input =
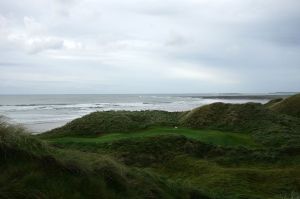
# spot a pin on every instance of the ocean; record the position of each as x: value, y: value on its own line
x: 39, y: 113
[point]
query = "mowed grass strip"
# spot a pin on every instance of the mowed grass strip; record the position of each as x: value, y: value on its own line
x: 208, y: 136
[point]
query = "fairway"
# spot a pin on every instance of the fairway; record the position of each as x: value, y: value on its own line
x: 207, y: 136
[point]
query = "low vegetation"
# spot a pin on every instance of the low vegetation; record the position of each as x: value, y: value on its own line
x: 98, y: 123
x: 214, y: 137
x: 217, y: 171
x: 33, y: 169
x: 266, y: 126
x: 218, y: 151
x: 289, y: 106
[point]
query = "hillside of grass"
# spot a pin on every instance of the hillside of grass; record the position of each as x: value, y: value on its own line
x: 221, y: 172
x: 208, y: 136
x: 218, y: 151
x: 247, y: 117
x: 272, y: 102
x: 170, y: 165
x: 98, y: 123
x: 267, y: 126
x: 30, y: 168
x: 289, y: 106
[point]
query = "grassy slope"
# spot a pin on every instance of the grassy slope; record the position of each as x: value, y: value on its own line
x: 289, y: 106
x: 98, y: 123
x: 35, y: 170
x: 207, y: 136
x: 233, y: 181
x: 249, y: 117
x: 272, y: 102
x: 164, y: 162
x: 220, y: 172
x: 268, y: 127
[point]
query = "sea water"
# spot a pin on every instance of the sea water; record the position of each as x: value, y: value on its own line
x: 40, y: 113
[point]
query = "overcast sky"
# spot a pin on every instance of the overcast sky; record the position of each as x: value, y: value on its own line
x: 149, y: 46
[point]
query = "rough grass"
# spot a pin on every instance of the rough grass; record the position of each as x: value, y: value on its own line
x: 289, y: 106
x: 266, y: 126
x: 252, y: 152
x: 15, y: 138
x: 233, y: 182
x: 219, y: 172
x: 246, y: 118
x: 98, y: 123
x: 272, y: 102
x: 32, y: 169
x: 207, y: 136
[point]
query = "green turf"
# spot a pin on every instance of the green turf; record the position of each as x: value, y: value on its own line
x: 207, y: 136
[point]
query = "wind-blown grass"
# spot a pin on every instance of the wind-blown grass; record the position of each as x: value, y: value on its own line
x: 269, y: 128
x: 289, y: 106
x: 98, y: 123
x: 32, y: 169
x: 219, y: 151
x: 220, y: 172
x: 266, y: 126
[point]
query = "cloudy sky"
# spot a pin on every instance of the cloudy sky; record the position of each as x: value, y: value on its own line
x: 149, y: 46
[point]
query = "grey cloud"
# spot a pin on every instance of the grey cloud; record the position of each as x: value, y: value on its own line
x: 38, y: 45
x: 140, y: 45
